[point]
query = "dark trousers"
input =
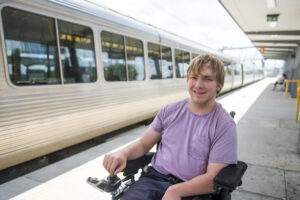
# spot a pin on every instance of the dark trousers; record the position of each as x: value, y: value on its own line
x: 149, y: 189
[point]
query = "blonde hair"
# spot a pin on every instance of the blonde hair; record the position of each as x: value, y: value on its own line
x: 210, y: 61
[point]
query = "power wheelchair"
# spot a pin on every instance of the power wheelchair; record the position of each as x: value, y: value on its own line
x: 226, y: 181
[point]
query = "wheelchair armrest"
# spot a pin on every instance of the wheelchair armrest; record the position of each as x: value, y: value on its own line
x: 230, y: 176
x: 133, y: 166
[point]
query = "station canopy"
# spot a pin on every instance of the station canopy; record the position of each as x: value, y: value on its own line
x: 273, y: 26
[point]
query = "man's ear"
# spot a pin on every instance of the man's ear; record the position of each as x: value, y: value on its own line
x: 218, y: 89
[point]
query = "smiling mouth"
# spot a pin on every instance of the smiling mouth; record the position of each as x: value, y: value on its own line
x: 199, y: 92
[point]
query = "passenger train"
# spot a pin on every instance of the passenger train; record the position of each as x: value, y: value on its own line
x: 73, y: 70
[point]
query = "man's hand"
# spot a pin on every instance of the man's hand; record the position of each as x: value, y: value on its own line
x: 114, y: 162
x: 171, y: 194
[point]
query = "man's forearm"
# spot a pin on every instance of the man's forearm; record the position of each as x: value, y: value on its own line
x: 202, y: 184
x: 135, y: 150
x: 143, y: 145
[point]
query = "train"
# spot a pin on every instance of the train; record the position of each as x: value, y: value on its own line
x: 73, y: 70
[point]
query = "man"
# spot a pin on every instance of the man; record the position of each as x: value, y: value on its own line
x: 280, y: 81
x: 198, y: 139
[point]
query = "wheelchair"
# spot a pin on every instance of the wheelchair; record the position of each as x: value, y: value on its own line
x: 225, y: 182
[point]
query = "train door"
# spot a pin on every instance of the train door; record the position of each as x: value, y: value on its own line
x: 237, y: 75
x: 228, y: 77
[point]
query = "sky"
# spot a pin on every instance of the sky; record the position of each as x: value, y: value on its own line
x: 203, y: 21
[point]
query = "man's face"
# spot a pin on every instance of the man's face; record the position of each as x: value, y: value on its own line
x: 203, y: 87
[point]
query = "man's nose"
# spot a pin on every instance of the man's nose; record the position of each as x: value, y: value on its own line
x: 199, y: 83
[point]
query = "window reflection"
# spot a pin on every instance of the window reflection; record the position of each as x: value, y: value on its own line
x: 30, y: 48
x: 237, y: 69
x: 116, y: 67
x: 154, y: 61
x: 166, y: 62
x: 77, y: 53
x: 135, y: 59
x: 182, y: 60
x: 160, y: 61
x: 113, y: 56
x: 194, y: 55
x: 227, y: 67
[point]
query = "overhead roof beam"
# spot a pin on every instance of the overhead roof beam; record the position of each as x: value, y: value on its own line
x: 295, y: 32
x: 273, y: 44
x: 281, y: 49
x: 277, y: 47
x: 275, y: 53
x: 277, y: 41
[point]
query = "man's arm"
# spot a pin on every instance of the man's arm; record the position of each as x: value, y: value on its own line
x: 202, y: 184
x: 116, y: 162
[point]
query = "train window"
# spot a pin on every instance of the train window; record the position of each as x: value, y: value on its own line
x: 77, y: 53
x: 117, y: 66
x: 113, y: 56
x: 31, y: 47
x: 227, y: 67
x: 166, y: 62
x: 160, y: 61
x: 186, y: 62
x: 237, y: 69
x: 194, y: 55
x: 182, y: 60
x: 154, y: 61
x: 135, y: 59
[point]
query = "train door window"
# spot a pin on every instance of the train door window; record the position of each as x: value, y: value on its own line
x: 31, y: 47
x: 166, y: 62
x: 237, y: 69
x: 194, y: 55
x: 227, y: 68
x: 182, y: 60
x: 154, y: 61
x: 113, y: 56
x: 77, y: 53
x: 178, y: 63
x: 186, y: 62
x: 135, y: 59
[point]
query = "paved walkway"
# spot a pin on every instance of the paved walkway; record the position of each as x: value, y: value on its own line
x: 268, y: 142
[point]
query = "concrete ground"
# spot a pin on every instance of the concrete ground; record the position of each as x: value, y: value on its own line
x: 268, y: 140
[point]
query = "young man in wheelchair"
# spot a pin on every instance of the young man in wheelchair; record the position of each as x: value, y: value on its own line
x: 197, y: 139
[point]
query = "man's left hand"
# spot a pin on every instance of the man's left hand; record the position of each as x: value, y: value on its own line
x: 171, y: 194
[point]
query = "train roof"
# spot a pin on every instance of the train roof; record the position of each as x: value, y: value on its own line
x: 96, y: 12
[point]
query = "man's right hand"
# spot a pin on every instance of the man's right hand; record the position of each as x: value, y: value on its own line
x: 115, y: 162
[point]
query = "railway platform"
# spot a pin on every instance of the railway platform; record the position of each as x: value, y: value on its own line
x: 268, y: 140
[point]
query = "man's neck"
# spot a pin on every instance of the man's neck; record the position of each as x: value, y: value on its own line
x: 201, y: 109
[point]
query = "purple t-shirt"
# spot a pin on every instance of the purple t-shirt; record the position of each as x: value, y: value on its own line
x: 189, y: 141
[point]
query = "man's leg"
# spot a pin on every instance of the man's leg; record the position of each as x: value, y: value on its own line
x: 274, y: 87
x: 146, y: 189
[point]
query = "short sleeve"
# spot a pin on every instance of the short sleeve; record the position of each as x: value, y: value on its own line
x: 224, y: 146
x: 157, y: 123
